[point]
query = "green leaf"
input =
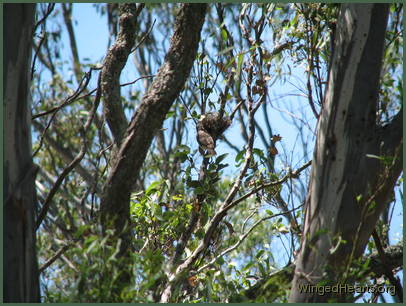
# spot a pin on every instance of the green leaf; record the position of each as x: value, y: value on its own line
x: 220, y: 261
x: 207, y: 91
x: 222, y: 166
x: 262, y: 269
x: 221, y: 157
x: 90, y: 239
x: 240, y: 60
x: 158, y: 212
x: 92, y: 246
x: 249, y: 265
x: 80, y: 231
x: 182, y: 156
x: 240, y: 155
x: 184, y: 148
x: 259, y: 153
x: 177, y: 197
x: 170, y: 114
x: 259, y: 254
x: 153, y: 188
x: 212, y: 167
x: 224, y: 34
x: 192, y: 183
x: 199, y: 190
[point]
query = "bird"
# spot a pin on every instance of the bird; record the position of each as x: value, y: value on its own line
x: 205, y: 140
x: 210, y: 127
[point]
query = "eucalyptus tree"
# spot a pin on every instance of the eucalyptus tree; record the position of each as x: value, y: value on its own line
x: 21, y: 279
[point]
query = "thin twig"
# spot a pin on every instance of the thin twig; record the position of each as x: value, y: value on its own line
x: 50, y: 8
x: 136, y: 80
x: 36, y: 54
x: 235, y: 109
x: 242, y: 238
x: 187, y: 108
x: 293, y: 174
x: 144, y: 37
x: 82, y: 87
x: 75, y: 161
x: 54, y: 258
x: 57, y: 108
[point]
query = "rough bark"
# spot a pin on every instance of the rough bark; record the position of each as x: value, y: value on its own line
x: 149, y: 117
x: 21, y: 283
x: 114, y: 63
x: 348, y: 187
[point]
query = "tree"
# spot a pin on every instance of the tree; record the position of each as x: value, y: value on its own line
x: 187, y: 184
x: 350, y: 185
x: 21, y: 282
x: 134, y: 144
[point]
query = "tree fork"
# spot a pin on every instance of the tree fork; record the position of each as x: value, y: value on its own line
x: 149, y: 117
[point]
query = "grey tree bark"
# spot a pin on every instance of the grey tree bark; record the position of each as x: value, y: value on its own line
x: 21, y: 283
x: 348, y: 187
x: 149, y: 117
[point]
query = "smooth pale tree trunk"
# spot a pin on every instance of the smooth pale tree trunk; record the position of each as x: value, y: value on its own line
x: 348, y: 187
x: 21, y: 283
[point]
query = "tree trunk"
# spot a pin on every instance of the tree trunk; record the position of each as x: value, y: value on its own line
x: 348, y: 187
x: 21, y: 283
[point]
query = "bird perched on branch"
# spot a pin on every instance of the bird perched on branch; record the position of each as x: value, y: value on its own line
x: 209, y: 128
x: 206, y: 142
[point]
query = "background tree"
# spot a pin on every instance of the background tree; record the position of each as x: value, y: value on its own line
x: 21, y: 281
x: 128, y: 190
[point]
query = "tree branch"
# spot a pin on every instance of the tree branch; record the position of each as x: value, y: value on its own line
x: 393, y: 258
x: 242, y: 238
x: 387, y: 271
x: 114, y: 63
x: 67, y: 156
x: 51, y: 260
x: 67, y: 16
x: 150, y: 115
